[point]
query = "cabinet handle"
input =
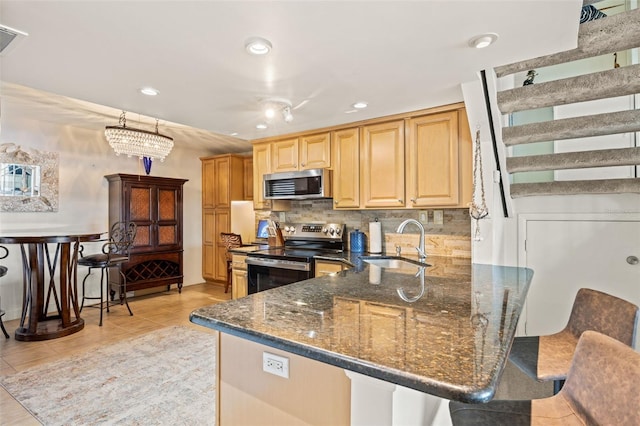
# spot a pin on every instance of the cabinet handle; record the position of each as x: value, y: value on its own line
x: 413, y: 200
x: 335, y: 202
x: 302, y: 164
x: 400, y: 201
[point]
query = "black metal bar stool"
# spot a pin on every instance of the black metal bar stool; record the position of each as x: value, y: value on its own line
x: 115, y: 251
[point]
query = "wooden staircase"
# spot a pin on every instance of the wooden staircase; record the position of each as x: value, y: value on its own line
x: 604, y: 36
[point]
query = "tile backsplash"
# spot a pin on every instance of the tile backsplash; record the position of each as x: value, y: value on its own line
x: 452, y: 238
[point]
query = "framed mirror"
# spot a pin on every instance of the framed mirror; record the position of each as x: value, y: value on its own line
x: 28, y: 179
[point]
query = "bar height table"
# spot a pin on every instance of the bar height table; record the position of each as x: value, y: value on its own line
x: 40, y: 289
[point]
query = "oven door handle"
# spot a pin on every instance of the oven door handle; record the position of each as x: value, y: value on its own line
x: 278, y: 263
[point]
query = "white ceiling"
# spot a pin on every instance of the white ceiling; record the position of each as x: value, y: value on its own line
x: 84, y: 61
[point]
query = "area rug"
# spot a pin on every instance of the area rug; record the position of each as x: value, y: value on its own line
x: 165, y: 377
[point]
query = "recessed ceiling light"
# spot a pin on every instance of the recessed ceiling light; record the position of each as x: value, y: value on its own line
x: 483, y: 40
x: 261, y: 126
x: 360, y: 105
x: 234, y: 134
x: 257, y: 46
x: 149, y: 91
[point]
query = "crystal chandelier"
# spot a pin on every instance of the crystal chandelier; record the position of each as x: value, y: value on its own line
x: 141, y: 143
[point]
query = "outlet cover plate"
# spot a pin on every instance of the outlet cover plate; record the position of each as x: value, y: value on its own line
x: 275, y: 364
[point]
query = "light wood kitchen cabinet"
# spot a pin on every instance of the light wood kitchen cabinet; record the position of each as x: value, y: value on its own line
x: 346, y: 166
x: 382, y: 174
x: 302, y: 153
x: 433, y: 160
x: 239, y: 284
x: 285, y: 155
x: 222, y: 182
x: 248, y: 178
x: 325, y: 267
x: 262, y: 166
x: 315, y: 151
x: 428, y: 165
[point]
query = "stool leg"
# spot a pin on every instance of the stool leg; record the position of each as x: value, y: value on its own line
x: 4, y: 330
x: 84, y: 291
x: 102, y: 284
x: 557, y: 385
x: 124, y: 290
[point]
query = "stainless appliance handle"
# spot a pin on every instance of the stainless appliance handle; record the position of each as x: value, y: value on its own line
x: 278, y: 263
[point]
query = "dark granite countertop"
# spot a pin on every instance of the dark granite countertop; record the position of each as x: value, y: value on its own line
x: 445, y: 329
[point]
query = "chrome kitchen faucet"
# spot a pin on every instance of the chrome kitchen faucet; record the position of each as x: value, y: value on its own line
x: 421, y: 253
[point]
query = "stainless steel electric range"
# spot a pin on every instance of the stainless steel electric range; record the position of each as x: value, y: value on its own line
x: 293, y: 262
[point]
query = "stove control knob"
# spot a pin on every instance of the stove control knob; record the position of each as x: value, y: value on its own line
x: 332, y: 231
x: 338, y: 231
x: 325, y: 230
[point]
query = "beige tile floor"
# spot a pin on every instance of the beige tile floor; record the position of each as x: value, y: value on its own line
x: 150, y: 312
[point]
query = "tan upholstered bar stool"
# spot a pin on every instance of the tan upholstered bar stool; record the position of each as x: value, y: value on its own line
x: 602, y: 388
x: 548, y: 357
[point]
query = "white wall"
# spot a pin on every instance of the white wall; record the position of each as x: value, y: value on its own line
x: 85, y: 158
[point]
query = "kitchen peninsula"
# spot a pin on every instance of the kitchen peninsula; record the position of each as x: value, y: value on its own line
x: 444, y: 330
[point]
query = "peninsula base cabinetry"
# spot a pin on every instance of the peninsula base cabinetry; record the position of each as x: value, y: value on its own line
x: 315, y: 393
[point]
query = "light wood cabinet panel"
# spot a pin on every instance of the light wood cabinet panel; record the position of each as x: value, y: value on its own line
x: 315, y: 151
x: 208, y: 244
x: 326, y: 267
x: 248, y: 178
x: 222, y: 182
x: 433, y: 160
x: 285, y: 155
x: 208, y: 184
x: 383, y: 165
x: 239, y: 284
x: 465, y: 153
x: 346, y: 182
x: 261, y: 166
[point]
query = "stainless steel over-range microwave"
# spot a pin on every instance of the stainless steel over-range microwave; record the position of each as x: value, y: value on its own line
x: 298, y: 185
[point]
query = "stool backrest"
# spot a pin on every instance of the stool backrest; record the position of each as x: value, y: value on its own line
x: 230, y: 241
x: 603, y: 383
x: 121, y: 238
x: 604, y: 313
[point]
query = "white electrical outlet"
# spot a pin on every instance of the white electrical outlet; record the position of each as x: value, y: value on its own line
x: 424, y: 217
x: 275, y: 364
x: 438, y: 217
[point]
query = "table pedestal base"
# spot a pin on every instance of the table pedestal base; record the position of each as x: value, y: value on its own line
x: 51, y: 329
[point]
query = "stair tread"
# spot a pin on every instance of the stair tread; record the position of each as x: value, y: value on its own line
x: 599, y: 85
x: 598, y: 37
x: 570, y: 128
x: 575, y: 160
x: 576, y: 187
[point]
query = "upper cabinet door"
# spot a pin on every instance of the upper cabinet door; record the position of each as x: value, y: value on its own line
x: 222, y: 182
x: 315, y: 151
x: 208, y: 177
x: 261, y: 166
x: 433, y: 171
x: 285, y: 155
x: 382, y: 173
x: 346, y: 166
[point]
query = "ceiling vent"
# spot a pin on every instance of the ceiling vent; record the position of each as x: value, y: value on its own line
x: 9, y: 37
